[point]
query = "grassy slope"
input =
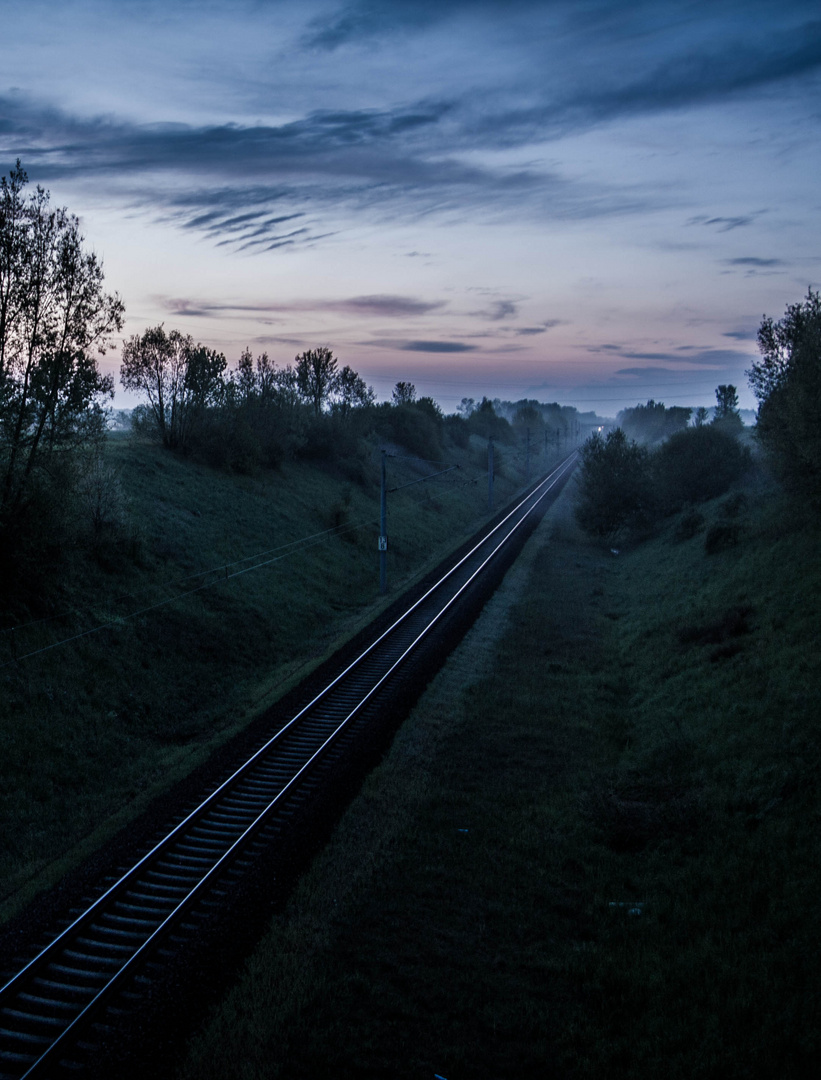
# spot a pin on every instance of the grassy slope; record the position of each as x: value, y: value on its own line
x: 643, y: 736
x: 118, y: 715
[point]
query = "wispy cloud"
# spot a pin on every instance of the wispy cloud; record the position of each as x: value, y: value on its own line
x: 379, y: 306
x: 542, y: 328
x: 683, y: 355
x: 500, y: 309
x: 722, y: 224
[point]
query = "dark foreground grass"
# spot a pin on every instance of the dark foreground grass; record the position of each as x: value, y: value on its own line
x: 592, y: 850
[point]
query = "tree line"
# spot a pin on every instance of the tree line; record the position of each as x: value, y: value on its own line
x: 656, y: 461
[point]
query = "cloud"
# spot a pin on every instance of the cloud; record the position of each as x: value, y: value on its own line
x: 500, y: 309
x: 742, y: 335
x: 404, y: 345
x: 723, y: 224
x: 695, y: 355
x: 751, y: 260
x: 269, y: 186
x: 385, y: 306
x: 679, y: 72
x: 380, y: 306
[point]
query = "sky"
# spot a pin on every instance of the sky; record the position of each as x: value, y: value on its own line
x: 585, y: 201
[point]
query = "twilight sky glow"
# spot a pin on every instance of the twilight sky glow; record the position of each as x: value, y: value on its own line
x: 590, y: 201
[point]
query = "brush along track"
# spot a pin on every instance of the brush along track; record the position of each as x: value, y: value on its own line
x: 67, y: 1007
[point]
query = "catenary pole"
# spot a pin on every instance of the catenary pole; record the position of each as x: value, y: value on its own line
x: 490, y: 473
x: 383, y: 532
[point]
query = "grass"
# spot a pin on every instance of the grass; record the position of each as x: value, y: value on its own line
x: 593, y: 848
x: 93, y: 729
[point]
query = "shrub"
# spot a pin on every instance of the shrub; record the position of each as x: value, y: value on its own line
x: 691, y: 523
x: 698, y: 464
x: 721, y: 537
x: 615, y: 491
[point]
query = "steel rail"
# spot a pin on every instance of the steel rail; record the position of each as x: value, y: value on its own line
x: 218, y: 865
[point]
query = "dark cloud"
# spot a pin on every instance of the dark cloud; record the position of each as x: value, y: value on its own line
x: 436, y: 346
x: 751, y: 260
x: 385, y: 306
x: 742, y: 335
x: 380, y: 306
x: 404, y: 345
x: 693, y: 74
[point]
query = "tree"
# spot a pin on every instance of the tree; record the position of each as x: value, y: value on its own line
x: 179, y: 380
x: 726, y: 411
x: 352, y: 392
x: 787, y: 382
x: 615, y: 491
x: 55, y: 318
x: 701, y: 416
x: 404, y: 393
x: 316, y: 377
x: 653, y: 422
x: 697, y: 464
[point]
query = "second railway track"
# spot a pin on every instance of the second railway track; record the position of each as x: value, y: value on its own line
x: 66, y: 1006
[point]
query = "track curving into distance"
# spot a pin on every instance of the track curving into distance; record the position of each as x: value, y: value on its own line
x: 58, y: 1008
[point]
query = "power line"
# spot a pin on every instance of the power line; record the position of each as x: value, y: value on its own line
x: 317, y: 539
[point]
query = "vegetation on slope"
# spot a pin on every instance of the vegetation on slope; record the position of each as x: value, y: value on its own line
x: 214, y: 594
x: 592, y: 850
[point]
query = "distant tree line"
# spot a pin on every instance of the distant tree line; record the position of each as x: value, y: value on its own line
x: 257, y: 414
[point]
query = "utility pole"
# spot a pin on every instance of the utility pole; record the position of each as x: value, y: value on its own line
x: 383, y: 533
x: 490, y: 473
x: 527, y: 458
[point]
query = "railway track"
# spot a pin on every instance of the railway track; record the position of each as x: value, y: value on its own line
x: 65, y: 1003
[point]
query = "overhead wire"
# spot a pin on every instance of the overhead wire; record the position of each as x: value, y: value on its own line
x: 286, y: 550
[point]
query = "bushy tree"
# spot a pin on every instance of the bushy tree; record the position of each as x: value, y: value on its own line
x: 316, y: 377
x: 726, y: 413
x: 404, y: 393
x: 697, y: 464
x: 179, y: 379
x: 787, y: 382
x: 352, y: 392
x: 55, y: 318
x: 615, y: 492
x: 486, y: 422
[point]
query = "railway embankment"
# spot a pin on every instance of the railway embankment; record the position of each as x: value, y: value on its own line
x: 126, y: 669
x: 592, y: 850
